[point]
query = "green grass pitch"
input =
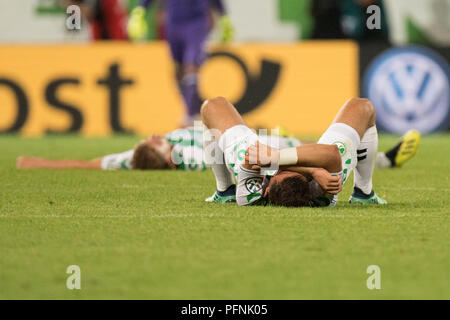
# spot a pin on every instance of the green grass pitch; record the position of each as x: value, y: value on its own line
x: 149, y: 235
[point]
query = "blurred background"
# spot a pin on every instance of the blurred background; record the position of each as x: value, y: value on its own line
x: 282, y: 62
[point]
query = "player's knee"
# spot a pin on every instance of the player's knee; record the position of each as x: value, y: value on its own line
x: 369, y: 110
x: 218, y: 101
x: 367, y: 105
x: 372, y: 113
x: 210, y: 106
x: 364, y: 106
x: 360, y: 102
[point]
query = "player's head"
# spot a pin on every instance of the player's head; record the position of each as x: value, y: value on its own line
x: 289, y: 189
x: 152, y: 153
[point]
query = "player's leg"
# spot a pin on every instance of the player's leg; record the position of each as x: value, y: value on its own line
x: 194, y: 54
x: 348, y: 127
x: 188, y: 85
x: 360, y: 115
x: 40, y: 163
x: 225, y: 184
x: 400, y: 153
x: 354, y: 132
x: 177, y: 44
x: 219, y: 115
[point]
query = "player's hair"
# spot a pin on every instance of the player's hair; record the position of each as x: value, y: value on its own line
x: 145, y: 157
x: 290, y: 192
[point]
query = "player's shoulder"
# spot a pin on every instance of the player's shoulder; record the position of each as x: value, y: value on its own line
x: 185, y: 135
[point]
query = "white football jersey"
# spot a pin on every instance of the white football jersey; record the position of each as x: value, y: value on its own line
x: 187, y: 152
x: 118, y: 161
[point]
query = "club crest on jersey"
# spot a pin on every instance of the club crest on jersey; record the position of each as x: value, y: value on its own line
x: 342, y: 147
x: 254, y: 184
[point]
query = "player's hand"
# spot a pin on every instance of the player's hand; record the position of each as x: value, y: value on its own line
x: 226, y: 29
x: 261, y: 155
x: 329, y: 183
x: 137, y: 25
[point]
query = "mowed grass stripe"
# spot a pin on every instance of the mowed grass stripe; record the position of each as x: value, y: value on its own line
x: 149, y: 235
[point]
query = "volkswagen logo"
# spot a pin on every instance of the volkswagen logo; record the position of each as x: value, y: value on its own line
x: 410, y: 88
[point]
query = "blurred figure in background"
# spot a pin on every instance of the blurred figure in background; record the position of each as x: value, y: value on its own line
x: 187, y: 25
x: 326, y: 14
x: 342, y: 19
x: 107, y: 18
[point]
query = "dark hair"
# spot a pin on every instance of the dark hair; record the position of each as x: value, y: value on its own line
x: 290, y: 192
x: 146, y: 157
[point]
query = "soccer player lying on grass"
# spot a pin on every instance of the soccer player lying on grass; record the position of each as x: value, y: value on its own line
x: 180, y: 149
x: 308, y: 175
x: 183, y: 149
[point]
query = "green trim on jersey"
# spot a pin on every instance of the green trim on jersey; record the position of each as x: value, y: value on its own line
x: 123, y: 165
x: 187, y: 152
x: 260, y: 202
x: 186, y: 143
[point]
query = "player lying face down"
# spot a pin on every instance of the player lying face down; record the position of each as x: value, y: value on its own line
x: 308, y: 175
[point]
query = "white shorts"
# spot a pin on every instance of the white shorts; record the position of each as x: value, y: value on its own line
x: 347, y: 140
x: 234, y: 143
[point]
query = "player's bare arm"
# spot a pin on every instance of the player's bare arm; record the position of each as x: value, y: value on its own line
x: 41, y: 163
x: 331, y: 184
x: 151, y: 153
x: 310, y: 155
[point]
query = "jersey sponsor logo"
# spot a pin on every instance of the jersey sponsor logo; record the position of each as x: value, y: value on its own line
x: 254, y: 184
x: 241, y: 154
x: 410, y: 88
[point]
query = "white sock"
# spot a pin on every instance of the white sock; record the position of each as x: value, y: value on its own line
x: 214, y: 158
x: 382, y: 162
x: 367, y: 151
x: 224, y: 178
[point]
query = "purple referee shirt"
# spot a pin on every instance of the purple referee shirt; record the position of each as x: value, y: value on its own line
x: 187, y: 11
